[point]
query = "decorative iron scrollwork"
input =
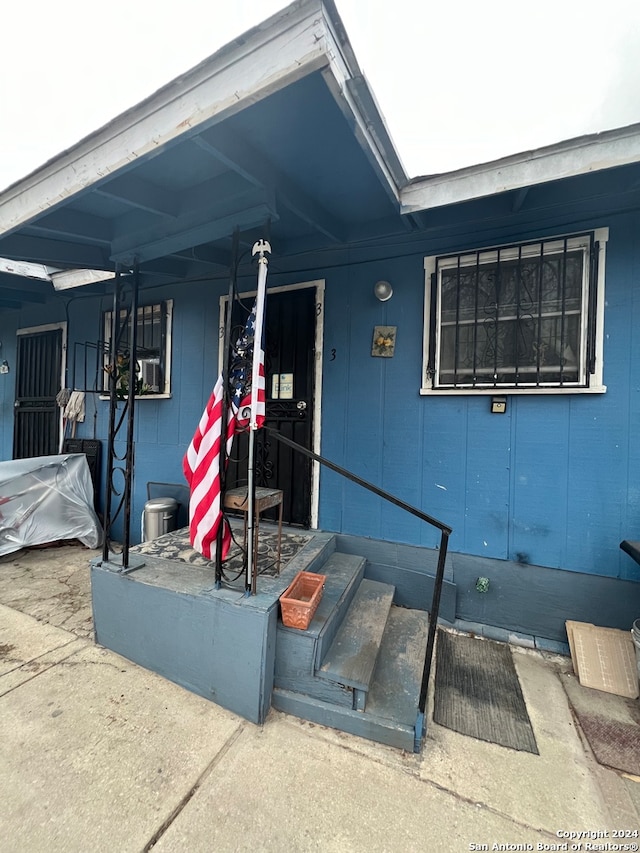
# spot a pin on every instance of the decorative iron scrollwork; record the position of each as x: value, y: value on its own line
x: 264, y: 466
x: 121, y: 418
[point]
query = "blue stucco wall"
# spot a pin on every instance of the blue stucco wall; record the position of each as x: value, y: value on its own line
x: 554, y: 482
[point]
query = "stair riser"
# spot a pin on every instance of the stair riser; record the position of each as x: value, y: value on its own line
x: 297, y: 652
x: 316, y: 689
x: 316, y: 563
x: 295, y: 669
x: 344, y: 719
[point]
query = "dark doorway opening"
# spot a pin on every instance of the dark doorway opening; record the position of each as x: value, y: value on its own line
x: 36, y: 424
x: 289, y: 369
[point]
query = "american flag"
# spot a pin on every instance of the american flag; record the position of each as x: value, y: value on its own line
x: 242, y: 381
x: 201, y: 466
x: 201, y: 463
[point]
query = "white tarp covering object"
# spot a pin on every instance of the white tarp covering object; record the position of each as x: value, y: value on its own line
x: 45, y: 499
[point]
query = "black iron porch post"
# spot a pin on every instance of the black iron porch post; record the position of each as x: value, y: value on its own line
x: 123, y: 340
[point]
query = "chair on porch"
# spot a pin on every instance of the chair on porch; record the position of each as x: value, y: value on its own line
x: 266, y: 498
x: 234, y: 499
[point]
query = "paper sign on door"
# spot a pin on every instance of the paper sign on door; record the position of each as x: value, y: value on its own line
x: 286, y: 386
x: 282, y: 386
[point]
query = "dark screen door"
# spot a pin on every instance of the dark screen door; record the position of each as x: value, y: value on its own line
x: 36, y: 423
x: 289, y: 369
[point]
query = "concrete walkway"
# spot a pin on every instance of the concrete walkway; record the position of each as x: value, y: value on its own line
x: 97, y: 754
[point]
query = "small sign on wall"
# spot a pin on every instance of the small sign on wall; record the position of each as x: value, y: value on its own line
x: 384, y: 341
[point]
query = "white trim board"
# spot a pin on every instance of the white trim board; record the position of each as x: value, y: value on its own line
x: 567, y: 159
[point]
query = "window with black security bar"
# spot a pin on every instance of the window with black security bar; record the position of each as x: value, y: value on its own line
x: 515, y: 316
x: 150, y: 361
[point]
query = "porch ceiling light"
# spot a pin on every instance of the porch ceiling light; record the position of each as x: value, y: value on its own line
x: 383, y: 291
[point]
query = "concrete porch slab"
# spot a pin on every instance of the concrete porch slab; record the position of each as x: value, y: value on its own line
x: 51, y: 584
x: 167, y: 616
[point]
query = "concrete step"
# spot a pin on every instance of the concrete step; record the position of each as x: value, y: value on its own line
x: 391, y: 712
x: 299, y: 652
x: 352, y: 657
x: 344, y: 573
x: 362, y: 724
x: 395, y: 689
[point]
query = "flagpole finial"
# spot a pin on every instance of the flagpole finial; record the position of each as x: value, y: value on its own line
x: 260, y: 247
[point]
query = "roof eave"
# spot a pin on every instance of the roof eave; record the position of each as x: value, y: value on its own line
x: 570, y: 158
x: 290, y: 45
x: 362, y: 103
x: 306, y: 36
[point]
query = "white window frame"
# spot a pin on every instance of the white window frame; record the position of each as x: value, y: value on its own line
x: 165, y: 394
x: 595, y: 379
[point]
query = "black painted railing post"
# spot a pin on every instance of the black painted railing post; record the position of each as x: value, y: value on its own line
x: 222, y: 459
x: 122, y: 343
x: 431, y: 637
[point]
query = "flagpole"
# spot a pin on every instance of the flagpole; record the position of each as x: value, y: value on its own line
x: 233, y: 271
x: 260, y: 248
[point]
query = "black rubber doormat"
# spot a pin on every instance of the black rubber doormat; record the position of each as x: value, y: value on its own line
x: 477, y: 692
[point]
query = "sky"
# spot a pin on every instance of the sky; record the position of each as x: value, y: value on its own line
x: 458, y: 81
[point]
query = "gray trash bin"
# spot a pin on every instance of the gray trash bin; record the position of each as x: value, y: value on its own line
x: 159, y: 517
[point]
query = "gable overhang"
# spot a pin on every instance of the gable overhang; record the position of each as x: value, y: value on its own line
x: 279, y: 126
x: 570, y: 159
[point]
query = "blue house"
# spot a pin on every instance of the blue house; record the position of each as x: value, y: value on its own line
x: 465, y: 341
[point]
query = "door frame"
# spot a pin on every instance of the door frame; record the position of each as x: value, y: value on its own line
x: 318, y: 285
x: 35, y: 330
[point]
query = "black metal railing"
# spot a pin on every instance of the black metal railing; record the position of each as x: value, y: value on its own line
x: 445, y: 532
x: 122, y: 398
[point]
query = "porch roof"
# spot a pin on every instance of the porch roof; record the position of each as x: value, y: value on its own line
x: 279, y: 125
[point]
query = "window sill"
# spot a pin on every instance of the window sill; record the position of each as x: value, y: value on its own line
x: 508, y: 392
x: 139, y: 397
